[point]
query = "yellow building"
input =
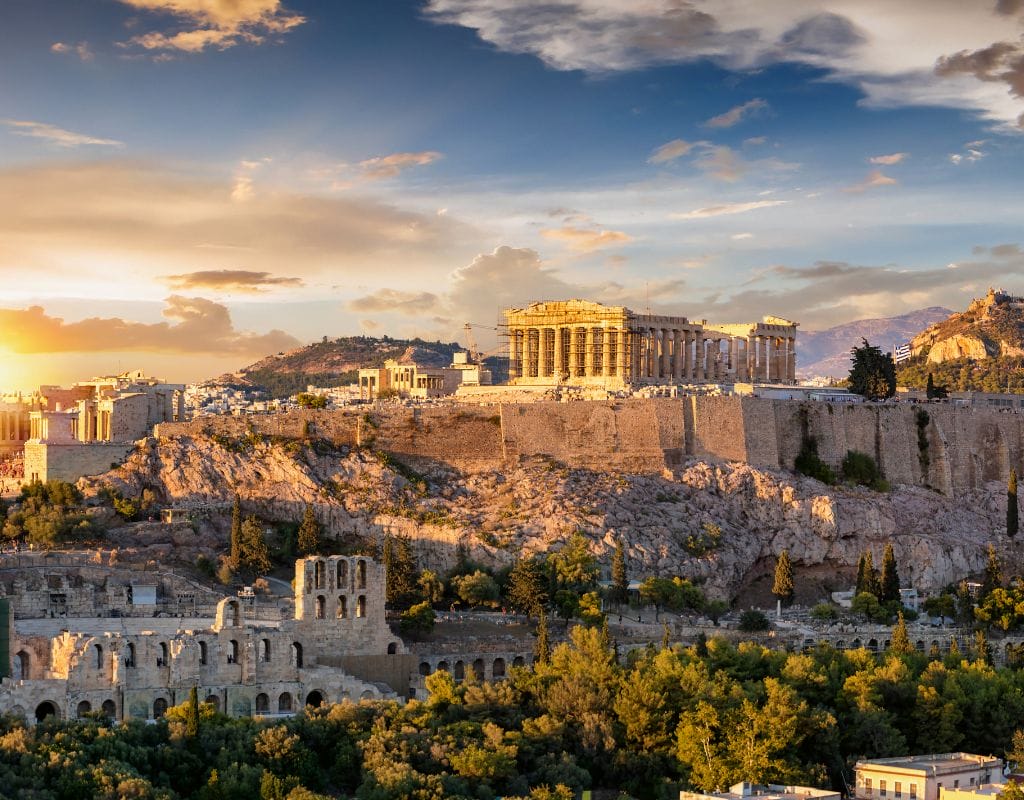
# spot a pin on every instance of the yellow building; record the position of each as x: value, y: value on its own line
x: 923, y: 777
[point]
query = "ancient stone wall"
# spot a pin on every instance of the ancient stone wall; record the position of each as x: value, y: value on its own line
x: 953, y: 450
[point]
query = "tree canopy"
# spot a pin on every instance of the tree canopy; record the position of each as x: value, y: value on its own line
x: 873, y: 373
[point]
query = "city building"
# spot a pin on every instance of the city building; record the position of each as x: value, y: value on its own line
x: 923, y: 777
x: 579, y: 342
x: 772, y: 791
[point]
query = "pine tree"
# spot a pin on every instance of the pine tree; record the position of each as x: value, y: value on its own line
x: 993, y: 573
x: 526, y: 588
x: 982, y: 652
x: 900, y: 643
x: 783, y: 587
x: 542, y: 648
x: 873, y: 374
x: 1012, y: 509
x: 400, y: 572
x: 309, y: 533
x: 890, y: 582
x: 192, y: 714
x: 620, y: 583
x: 236, y: 532
x: 254, y: 551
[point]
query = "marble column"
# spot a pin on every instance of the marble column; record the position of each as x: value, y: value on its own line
x: 606, y: 353
x: 698, y: 369
x: 559, y: 367
x: 677, y: 355
x: 620, y: 356
x: 666, y: 354
x: 791, y: 362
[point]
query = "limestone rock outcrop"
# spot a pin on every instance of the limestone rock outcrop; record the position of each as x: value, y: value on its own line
x: 710, y: 521
x: 991, y: 326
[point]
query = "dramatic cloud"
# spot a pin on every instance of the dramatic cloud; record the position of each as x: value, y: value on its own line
x: 736, y: 115
x: 197, y: 326
x: 75, y: 225
x: 889, y: 160
x: 230, y: 280
x: 215, y: 23
x: 81, y: 49
x: 583, y: 240
x: 874, y: 179
x: 416, y: 304
x: 864, y: 44
x: 728, y: 208
x: 55, y: 135
x: 670, y: 151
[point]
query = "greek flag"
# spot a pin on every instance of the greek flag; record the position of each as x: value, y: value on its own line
x: 900, y: 352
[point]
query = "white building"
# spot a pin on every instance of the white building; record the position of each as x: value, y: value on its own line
x: 923, y: 777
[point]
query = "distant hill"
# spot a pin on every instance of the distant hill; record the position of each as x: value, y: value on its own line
x: 827, y: 352
x: 333, y: 362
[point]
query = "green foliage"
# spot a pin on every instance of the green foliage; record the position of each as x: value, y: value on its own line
x: 192, y: 714
x: 307, y: 400
x: 254, y: 553
x: 998, y: 374
x: 807, y: 461
x: 236, y: 532
x: 783, y: 587
x: 707, y: 541
x: 889, y: 583
x: 674, y: 594
x: 860, y: 469
x: 753, y: 621
x: 620, y: 583
x: 900, y: 641
x: 933, y: 392
x: 824, y: 612
x: 431, y: 587
x: 873, y: 373
x: 526, y: 588
x: 542, y: 648
x: 923, y: 455
x: 401, y: 572
x: 48, y: 515
x: 993, y: 578
x: 573, y: 566
x: 866, y: 604
x: 418, y: 620
x: 308, y: 539
x: 477, y: 589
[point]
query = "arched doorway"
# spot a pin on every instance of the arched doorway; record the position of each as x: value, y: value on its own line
x: 314, y: 699
x: 284, y: 702
x: 296, y: 654
x: 262, y: 703
x: 22, y: 666
x: 109, y: 709
x: 83, y: 708
x: 159, y: 708
x: 498, y: 669
x: 45, y: 709
x: 213, y: 700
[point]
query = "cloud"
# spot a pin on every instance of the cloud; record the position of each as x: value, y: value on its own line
x: 863, y: 44
x: 889, y: 160
x: 229, y: 280
x: 81, y: 50
x: 585, y: 241
x: 874, y: 179
x: 416, y: 304
x: 391, y: 166
x: 753, y: 141
x: 727, y: 208
x: 55, y: 135
x: 214, y: 23
x: 972, y: 152
x: 670, y: 151
x: 721, y: 162
x: 741, y: 236
x: 196, y: 326
x: 737, y: 114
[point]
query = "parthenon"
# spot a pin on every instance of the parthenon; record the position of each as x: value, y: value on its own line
x: 579, y: 342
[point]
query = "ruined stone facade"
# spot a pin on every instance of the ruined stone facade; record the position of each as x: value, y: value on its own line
x: 138, y: 667
x: 582, y: 343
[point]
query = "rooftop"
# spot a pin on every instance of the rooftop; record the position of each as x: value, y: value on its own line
x: 770, y: 792
x: 935, y: 762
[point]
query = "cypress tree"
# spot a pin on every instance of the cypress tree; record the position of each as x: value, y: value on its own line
x: 192, y: 714
x: 861, y: 584
x: 236, y: 532
x: 982, y: 652
x: 993, y: 573
x: 309, y: 533
x: 620, y: 584
x: 871, y: 583
x: 1012, y: 510
x: 900, y: 638
x: 890, y: 585
x: 542, y: 649
x: 929, y: 389
x: 783, y: 587
x: 254, y: 551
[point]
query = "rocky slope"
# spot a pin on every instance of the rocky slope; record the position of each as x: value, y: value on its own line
x: 664, y: 521
x: 827, y: 352
x: 991, y: 327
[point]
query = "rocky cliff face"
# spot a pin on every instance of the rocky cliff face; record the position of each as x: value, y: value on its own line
x: 667, y: 522
x: 991, y: 326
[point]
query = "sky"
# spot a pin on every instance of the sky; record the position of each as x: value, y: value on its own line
x: 188, y: 185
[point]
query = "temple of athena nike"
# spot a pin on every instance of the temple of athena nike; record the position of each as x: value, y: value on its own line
x: 582, y: 343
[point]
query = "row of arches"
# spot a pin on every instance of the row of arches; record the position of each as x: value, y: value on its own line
x: 341, y: 610
x: 458, y: 669
x: 341, y: 575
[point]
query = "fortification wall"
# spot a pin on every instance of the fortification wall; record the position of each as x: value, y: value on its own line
x: 69, y: 462
x: 953, y: 449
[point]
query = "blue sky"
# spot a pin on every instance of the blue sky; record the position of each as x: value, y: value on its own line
x: 209, y: 180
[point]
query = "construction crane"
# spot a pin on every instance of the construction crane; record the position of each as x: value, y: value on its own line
x: 474, y: 354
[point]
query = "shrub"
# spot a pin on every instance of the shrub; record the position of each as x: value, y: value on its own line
x: 824, y: 612
x: 752, y: 621
x: 861, y: 469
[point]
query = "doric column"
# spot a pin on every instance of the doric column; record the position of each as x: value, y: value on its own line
x: 534, y: 349
x: 698, y: 352
x: 687, y: 355
x: 542, y: 353
x: 764, y: 358
x: 588, y: 352
x: 620, y: 355
x: 677, y: 355
x: 791, y: 361
x: 559, y: 367
x: 606, y: 353
x: 652, y: 354
x: 666, y: 354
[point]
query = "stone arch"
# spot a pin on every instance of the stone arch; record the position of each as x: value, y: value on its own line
x: 342, y: 607
x: 129, y: 660
x: 873, y: 645
x: 233, y: 651
x: 164, y: 659
x: 424, y: 668
x: 297, y: 654
x: 83, y: 708
x: 315, y: 698
x: 204, y: 653
x: 262, y: 703
x: 321, y: 606
x: 234, y: 608
x: 98, y: 654
x: 361, y: 606
x: 855, y: 644
x: 919, y: 645
x: 366, y: 695
x: 392, y: 648
x: 518, y: 661
x: 22, y: 666
x: 159, y: 707
x: 45, y: 709
x: 319, y: 571
x: 342, y: 579
x: 109, y: 709
x: 229, y: 614
x: 886, y: 644
x: 284, y: 703
x: 459, y: 672
x: 936, y: 644
x: 840, y: 644
x: 213, y: 700
x: 478, y: 668
x: 265, y: 651
x: 361, y: 574
x: 498, y: 668
x: 442, y: 666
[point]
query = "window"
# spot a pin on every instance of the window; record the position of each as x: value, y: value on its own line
x: 203, y: 654
x: 265, y: 651
x: 898, y: 786
x: 233, y: 652
x: 321, y: 605
x: 956, y: 784
x: 867, y: 787
x: 881, y: 789
x: 342, y: 607
x: 972, y: 781
x: 913, y: 791
x: 361, y: 606
x: 361, y: 575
